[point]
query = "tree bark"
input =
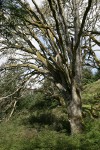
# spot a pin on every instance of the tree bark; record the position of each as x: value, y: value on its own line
x: 75, y: 110
x: 74, y: 106
x: 72, y: 98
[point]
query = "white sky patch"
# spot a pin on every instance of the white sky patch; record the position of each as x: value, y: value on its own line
x: 96, y: 49
x: 38, y: 2
x: 35, y: 43
x: 98, y: 54
x: 3, y: 60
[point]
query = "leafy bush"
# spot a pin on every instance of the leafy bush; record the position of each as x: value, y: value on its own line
x: 52, y: 140
x: 87, y: 76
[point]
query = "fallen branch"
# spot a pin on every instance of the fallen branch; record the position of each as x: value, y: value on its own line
x: 12, y: 111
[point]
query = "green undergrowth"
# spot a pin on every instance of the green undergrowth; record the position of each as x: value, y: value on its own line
x: 40, y: 123
x: 16, y: 136
x: 91, y: 93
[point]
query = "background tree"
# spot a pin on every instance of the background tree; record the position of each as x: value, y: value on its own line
x: 10, y: 91
x: 97, y: 75
x: 87, y: 76
x: 65, y: 40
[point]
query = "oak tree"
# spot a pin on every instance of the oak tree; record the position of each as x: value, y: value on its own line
x: 53, y: 41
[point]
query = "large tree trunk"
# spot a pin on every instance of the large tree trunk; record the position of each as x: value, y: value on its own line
x: 75, y: 110
x: 72, y: 97
x: 73, y: 102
